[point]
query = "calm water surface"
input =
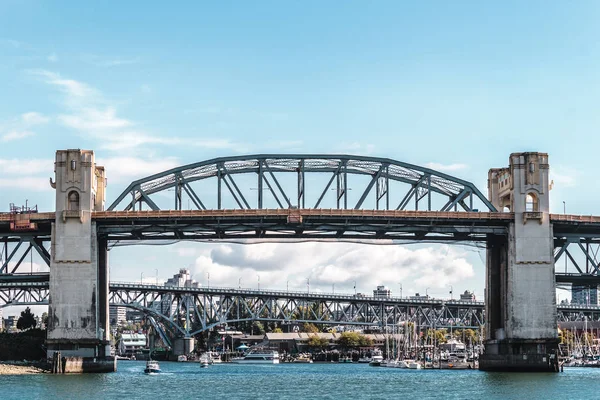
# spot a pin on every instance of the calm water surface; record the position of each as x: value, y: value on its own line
x: 301, y: 381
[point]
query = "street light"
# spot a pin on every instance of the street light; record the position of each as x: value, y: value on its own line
x: 426, y: 293
x: 156, y: 276
x: 287, y: 286
x: 142, y: 278
x: 565, y: 212
x: 451, y: 290
x: 400, y: 289
x: 258, y: 278
x: 240, y: 283
x: 333, y: 288
x: 208, y: 279
x: 307, y: 285
x: 354, y: 287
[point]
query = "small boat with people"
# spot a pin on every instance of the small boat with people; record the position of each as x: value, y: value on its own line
x: 152, y: 367
x: 205, y: 360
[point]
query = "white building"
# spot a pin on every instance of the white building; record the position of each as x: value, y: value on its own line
x: 382, y: 292
x: 131, y: 343
x: 117, y: 315
x: 182, y: 279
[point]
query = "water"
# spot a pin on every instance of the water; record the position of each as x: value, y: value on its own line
x: 300, y: 381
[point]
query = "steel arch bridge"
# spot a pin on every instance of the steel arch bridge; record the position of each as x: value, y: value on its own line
x: 262, y: 181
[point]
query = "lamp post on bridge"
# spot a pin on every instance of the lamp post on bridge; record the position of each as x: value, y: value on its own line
x: 156, y: 276
x: 427, y: 293
x: 400, y: 289
x: 451, y: 291
x: 142, y: 278
x: 258, y: 280
x: 565, y: 213
x: 240, y: 283
x: 355, y: 288
x: 208, y: 280
x: 307, y: 285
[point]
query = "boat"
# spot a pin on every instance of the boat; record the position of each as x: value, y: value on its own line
x: 345, y: 360
x: 364, y: 360
x: 181, y: 358
x: 376, y: 360
x: 205, y: 360
x: 260, y: 356
x: 152, y: 367
x: 303, y: 358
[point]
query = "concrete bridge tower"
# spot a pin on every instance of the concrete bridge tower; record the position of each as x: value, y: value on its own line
x: 521, y: 329
x: 78, y: 322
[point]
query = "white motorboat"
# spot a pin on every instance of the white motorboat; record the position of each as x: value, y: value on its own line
x: 303, y: 358
x: 376, y: 360
x: 152, y: 367
x: 205, y: 360
x: 260, y: 356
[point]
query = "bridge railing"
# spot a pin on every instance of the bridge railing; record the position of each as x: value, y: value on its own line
x: 302, y: 212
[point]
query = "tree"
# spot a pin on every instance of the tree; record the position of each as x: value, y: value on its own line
x: 317, y: 342
x: 26, y: 320
x: 349, y: 340
x: 277, y: 330
x: 310, y: 328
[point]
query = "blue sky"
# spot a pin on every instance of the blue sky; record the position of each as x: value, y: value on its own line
x: 151, y: 86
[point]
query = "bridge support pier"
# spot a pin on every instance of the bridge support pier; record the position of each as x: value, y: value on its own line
x: 521, y: 330
x: 78, y: 321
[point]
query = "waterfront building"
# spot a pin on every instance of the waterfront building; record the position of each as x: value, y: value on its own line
x: 584, y: 295
x: 131, y: 343
x: 382, y: 292
x: 467, y: 296
x: 117, y: 315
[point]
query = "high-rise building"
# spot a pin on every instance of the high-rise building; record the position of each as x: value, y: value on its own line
x: 467, y: 296
x: 584, y: 295
x: 117, y: 315
x: 382, y: 291
x: 182, y: 279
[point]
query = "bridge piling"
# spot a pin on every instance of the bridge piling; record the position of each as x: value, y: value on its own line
x: 521, y: 328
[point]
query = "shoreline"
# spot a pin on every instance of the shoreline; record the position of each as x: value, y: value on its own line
x: 20, y: 368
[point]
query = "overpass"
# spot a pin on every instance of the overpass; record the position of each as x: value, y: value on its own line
x: 349, y: 198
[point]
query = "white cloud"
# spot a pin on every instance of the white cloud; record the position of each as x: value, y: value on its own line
x: 279, y: 265
x: 16, y: 135
x: 26, y: 182
x: 124, y: 168
x: 34, y: 118
x: 358, y: 148
x: 446, y: 167
x: 563, y: 177
x: 72, y: 88
x: 52, y: 57
x: 92, y: 119
x: 104, y: 61
x: 25, y: 166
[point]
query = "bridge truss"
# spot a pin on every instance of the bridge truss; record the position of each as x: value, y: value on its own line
x: 186, y: 311
x: 318, y: 181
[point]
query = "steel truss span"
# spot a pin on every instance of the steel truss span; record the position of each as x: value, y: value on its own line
x: 303, y: 181
x: 187, y: 311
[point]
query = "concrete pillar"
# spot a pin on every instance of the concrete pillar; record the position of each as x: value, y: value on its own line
x: 78, y: 322
x: 521, y: 330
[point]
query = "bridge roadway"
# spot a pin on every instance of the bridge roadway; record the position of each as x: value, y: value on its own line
x: 308, y: 223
